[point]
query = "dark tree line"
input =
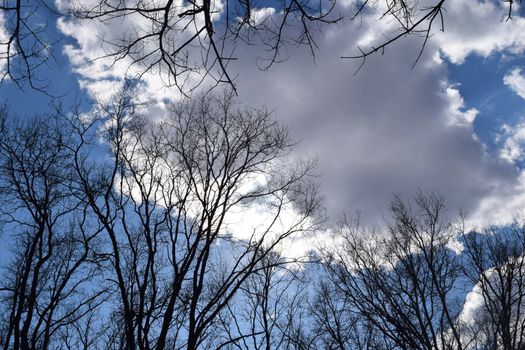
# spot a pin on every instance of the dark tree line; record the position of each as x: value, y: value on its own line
x: 121, y: 228
x: 418, y: 285
x: 120, y: 232
x: 497, y: 266
x: 46, y: 284
x: 177, y: 40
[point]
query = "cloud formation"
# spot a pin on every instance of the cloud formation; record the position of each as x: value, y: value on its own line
x: 515, y: 80
x: 388, y: 129
x: 480, y: 27
x: 3, y: 47
x: 514, y: 139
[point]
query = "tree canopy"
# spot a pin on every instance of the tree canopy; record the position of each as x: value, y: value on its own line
x: 187, y: 42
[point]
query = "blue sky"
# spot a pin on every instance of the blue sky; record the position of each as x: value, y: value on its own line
x: 388, y: 129
x: 480, y: 82
x: 56, y: 74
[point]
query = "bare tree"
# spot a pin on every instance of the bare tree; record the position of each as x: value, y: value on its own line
x: 403, y: 284
x: 45, y: 286
x: 412, y: 19
x: 132, y: 233
x: 269, y: 308
x: 24, y: 42
x: 185, y: 43
x: 336, y: 325
x: 177, y: 39
x: 495, y: 263
x: 167, y: 199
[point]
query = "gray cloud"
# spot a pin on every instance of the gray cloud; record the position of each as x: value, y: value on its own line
x: 386, y: 130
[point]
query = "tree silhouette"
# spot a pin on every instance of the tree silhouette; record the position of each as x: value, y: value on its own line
x: 186, y: 43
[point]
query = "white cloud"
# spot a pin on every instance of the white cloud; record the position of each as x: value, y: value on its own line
x: 506, y: 202
x: 251, y: 222
x: 513, y: 138
x: 472, y: 306
x: 99, y: 74
x: 470, y: 27
x: 507, y: 198
x: 270, y: 219
x: 259, y: 16
x: 3, y: 47
x: 516, y: 82
x: 456, y: 111
x: 479, y: 27
x: 386, y: 130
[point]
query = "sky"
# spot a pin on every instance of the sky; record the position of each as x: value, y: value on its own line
x: 453, y: 124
